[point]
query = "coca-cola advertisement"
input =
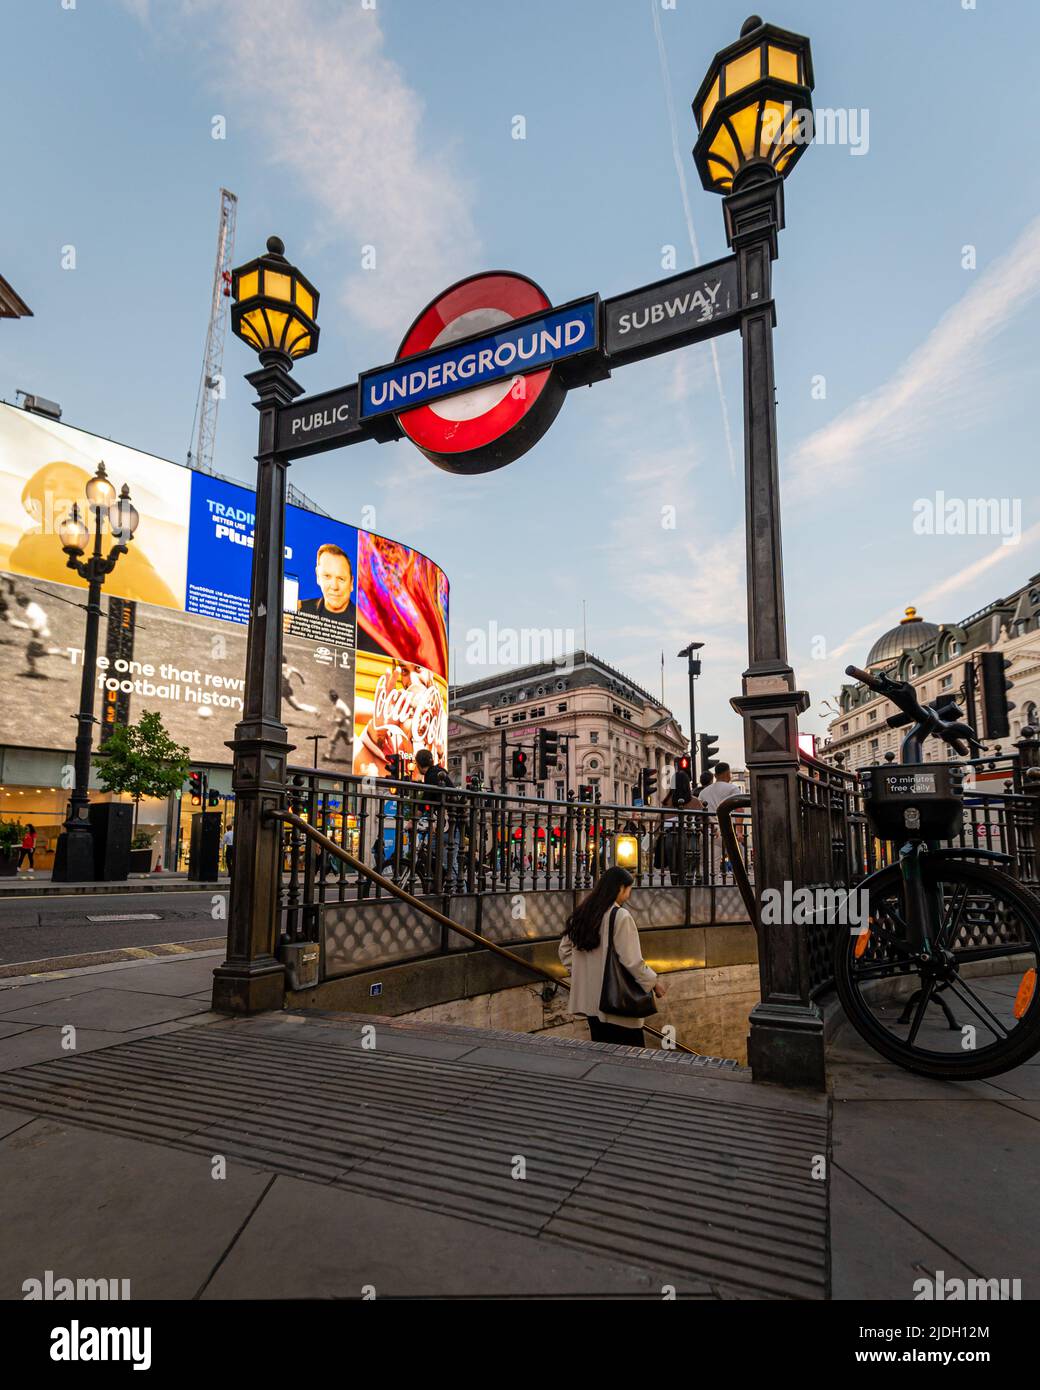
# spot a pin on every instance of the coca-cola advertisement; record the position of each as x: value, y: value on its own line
x: 399, y: 707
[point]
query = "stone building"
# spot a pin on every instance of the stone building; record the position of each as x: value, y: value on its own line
x: 933, y: 657
x: 610, y: 729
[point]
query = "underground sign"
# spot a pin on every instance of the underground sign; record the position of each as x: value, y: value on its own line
x: 499, y: 331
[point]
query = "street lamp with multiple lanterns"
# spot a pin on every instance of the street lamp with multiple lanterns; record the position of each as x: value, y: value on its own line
x: 74, y: 854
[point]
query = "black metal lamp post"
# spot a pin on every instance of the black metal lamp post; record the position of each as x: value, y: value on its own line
x: 693, y: 670
x: 754, y: 114
x: 74, y: 853
x: 274, y: 312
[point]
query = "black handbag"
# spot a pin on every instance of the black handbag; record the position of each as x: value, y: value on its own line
x: 621, y: 994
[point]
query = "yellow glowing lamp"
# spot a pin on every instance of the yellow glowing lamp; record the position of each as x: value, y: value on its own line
x: 626, y: 851
x: 754, y: 108
x: 275, y: 308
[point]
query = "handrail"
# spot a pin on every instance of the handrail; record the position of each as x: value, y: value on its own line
x: 729, y: 839
x: 290, y: 818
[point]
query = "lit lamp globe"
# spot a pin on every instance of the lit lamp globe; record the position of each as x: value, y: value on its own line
x: 123, y: 517
x: 73, y: 532
x: 626, y: 851
x: 275, y: 308
x: 754, y: 108
x: 100, y: 490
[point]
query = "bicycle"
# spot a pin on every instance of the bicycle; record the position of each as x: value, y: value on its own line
x: 941, y: 979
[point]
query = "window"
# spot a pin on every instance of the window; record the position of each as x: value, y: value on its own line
x: 559, y: 792
x: 594, y: 737
x: 946, y: 682
x: 873, y: 745
x: 561, y: 709
x: 873, y: 716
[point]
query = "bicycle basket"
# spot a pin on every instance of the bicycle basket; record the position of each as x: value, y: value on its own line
x: 914, y: 801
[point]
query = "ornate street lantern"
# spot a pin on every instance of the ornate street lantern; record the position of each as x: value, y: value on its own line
x: 275, y: 305
x: 626, y: 851
x: 754, y: 108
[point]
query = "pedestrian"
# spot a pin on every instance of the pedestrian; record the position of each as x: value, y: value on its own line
x: 712, y: 798
x: 28, y: 849
x: 584, y: 950
x: 228, y: 846
x: 721, y: 789
x: 436, y: 776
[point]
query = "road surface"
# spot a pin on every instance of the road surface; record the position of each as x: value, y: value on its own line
x: 42, y: 928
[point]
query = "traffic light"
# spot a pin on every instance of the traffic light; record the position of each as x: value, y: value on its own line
x: 212, y: 799
x: 585, y: 792
x: 474, y: 782
x: 395, y: 767
x: 195, y: 786
x: 548, y: 752
x: 647, y: 784
x: 683, y: 781
x: 995, y: 703
x: 709, y: 751
x: 519, y: 764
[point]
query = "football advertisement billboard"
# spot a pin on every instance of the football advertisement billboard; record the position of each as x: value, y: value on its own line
x: 175, y: 609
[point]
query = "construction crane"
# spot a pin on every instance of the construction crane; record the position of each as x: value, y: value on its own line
x: 211, y: 384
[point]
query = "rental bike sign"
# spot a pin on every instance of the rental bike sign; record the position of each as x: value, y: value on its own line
x: 484, y: 369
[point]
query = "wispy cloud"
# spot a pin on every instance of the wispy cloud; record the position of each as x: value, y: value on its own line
x: 930, y: 389
x: 337, y: 116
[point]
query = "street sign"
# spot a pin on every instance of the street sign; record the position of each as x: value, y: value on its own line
x: 319, y: 422
x: 475, y: 384
x: 670, y: 313
x: 484, y: 369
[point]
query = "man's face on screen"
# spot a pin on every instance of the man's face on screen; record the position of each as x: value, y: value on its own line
x: 335, y: 581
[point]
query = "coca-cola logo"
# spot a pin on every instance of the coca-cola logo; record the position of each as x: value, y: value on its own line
x: 390, y: 705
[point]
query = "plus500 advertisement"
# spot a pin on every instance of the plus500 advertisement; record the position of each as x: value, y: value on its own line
x: 343, y: 590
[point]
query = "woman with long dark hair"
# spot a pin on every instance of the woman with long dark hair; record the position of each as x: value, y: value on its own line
x: 583, y: 950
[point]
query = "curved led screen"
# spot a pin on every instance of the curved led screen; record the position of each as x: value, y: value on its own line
x: 365, y: 659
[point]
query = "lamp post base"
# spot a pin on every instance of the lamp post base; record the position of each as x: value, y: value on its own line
x: 74, y: 857
x: 250, y: 988
x: 786, y: 1045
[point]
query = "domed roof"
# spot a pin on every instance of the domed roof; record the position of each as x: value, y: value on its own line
x: 910, y: 632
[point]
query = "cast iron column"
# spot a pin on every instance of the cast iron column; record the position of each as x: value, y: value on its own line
x: 251, y: 978
x: 786, y: 1038
x: 74, y: 863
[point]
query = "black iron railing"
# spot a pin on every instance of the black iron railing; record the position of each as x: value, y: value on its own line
x: 464, y: 844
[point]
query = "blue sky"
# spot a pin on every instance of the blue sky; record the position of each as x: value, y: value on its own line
x: 392, y: 126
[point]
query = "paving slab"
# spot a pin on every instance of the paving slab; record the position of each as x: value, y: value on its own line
x: 311, y: 1242
x: 173, y: 976
x: 10, y: 1030
x: 530, y: 1060
x: 115, y: 1010
x: 11, y: 1120
x: 962, y: 1171
x: 125, y: 1210
x: 44, y: 1044
x: 876, y: 1253
x: 694, y: 1081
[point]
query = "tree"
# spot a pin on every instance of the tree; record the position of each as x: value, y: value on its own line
x: 142, y: 760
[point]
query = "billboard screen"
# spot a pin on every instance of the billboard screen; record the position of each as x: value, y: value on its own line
x: 173, y: 634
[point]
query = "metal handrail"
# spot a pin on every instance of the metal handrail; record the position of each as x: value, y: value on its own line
x: 298, y: 823
x: 736, y: 859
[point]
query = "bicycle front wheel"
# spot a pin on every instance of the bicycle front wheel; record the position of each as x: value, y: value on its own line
x: 972, y: 1008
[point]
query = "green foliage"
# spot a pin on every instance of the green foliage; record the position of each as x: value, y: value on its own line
x: 142, y: 840
x: 11, y: 832
x: 142, y: 760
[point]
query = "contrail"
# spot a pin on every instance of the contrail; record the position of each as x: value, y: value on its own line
x: 681, y: 171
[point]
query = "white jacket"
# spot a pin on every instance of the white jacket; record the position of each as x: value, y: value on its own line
x: 586, y: 967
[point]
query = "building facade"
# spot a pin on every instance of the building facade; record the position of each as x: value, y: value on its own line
x: 610, y: 729
x: 934, y: 658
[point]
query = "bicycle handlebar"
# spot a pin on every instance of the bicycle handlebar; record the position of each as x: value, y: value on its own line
x: 944, y: 721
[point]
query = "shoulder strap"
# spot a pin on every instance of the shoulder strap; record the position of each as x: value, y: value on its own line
x: 610, y: 925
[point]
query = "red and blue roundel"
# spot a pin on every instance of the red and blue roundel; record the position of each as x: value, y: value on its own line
x: 489, y: 426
